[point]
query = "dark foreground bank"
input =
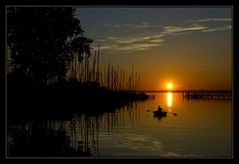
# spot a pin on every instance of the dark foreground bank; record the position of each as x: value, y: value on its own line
x: 26, y: 100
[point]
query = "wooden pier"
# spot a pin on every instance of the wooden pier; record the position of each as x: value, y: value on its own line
x: 203, y: 94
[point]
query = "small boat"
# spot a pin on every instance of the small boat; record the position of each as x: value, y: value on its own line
x: 159, y: 112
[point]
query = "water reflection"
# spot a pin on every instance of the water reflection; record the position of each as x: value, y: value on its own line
x: 130, y: 131
x: 76, y: 137
x: 169, y: 101
x: 42, y: 139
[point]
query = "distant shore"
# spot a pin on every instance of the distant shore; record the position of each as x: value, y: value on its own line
x: 182, y: 91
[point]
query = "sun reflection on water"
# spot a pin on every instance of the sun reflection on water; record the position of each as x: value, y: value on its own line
x: 169, y: 100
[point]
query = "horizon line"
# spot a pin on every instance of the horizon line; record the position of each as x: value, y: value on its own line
x: 188, y: 90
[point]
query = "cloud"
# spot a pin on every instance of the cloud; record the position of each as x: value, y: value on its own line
x: 143, y: 41
x: 105, y: 47
x: 137, y: 47
x: 214, y: 19
x: 218, y: 29
x: 142, y: 25
x: 101, y: 40
x: 114, y: 48
x: 157, y: 40
x: 177, y: 29
x: 112, y: 38
x: 140, y: 43
x: 123, y: 48
x: 129, y: 40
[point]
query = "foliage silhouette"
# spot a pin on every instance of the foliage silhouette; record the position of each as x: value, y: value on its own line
x: 43, y: 41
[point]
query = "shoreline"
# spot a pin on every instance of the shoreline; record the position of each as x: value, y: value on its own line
x: 61, y: 102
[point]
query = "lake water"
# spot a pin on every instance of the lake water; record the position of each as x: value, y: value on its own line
x: 201, y: 129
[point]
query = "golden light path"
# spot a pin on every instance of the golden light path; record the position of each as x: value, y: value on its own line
x: 169, y: 99
x: 169, y: 96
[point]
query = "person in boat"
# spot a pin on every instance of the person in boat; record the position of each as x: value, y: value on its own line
x: 160, y: 109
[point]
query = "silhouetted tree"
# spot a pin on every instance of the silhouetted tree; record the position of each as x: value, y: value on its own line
x: 43, y: 41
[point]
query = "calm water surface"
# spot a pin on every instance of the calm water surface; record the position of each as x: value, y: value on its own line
x: 201, y: 128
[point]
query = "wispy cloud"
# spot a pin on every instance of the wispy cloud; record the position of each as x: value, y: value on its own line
x: 218, y: 29
x: 105, y: 47
x: 157, y: 40
x: 142, y: 25
x: 112, y: 38
x: 129, y: 40
x: 145, y: 41
x: 177, y: 29
x: 137, y: 47
x: 101, y: 40
x: 167, y: 30
x: 138, y: 25
x: 214, y: 19
x: 122, y: 48
x: 129, y: 44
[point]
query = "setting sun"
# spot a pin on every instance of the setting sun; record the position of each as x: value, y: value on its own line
x: 169, y: 85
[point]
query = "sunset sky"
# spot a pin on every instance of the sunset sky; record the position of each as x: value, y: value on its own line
x: 189, y: 47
